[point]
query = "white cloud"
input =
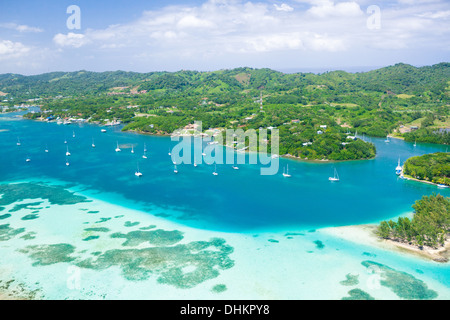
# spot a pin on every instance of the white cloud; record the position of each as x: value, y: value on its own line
x: 74, y: 40
x: 324, y: 9
x: 244, y: 31
x: 20, y: 27
x: 435, y: 15
x: 283, y: 7
x: 12, y: 50
x: 191, y: 21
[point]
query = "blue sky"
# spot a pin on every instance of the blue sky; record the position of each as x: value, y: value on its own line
x: 144, y: 36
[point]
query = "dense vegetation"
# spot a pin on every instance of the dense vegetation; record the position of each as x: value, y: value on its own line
x: 430, y: 167
x: 429, y: 226
x: 374, y: 103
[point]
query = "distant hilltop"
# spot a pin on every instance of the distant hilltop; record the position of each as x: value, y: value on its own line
x: 399, y: 78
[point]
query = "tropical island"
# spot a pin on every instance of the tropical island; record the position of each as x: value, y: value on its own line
x: 319, y: 116
x: 429, y: 226
x: 424, y: 234
x: 432, y: 168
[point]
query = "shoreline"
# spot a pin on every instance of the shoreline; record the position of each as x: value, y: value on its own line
x: 409, y: 178
x: 365, y: 234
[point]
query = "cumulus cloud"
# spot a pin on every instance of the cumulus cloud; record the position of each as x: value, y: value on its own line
x: 283, y: 7
x: 259, y: 30
x: 74, y: 40
x: 12, y: 50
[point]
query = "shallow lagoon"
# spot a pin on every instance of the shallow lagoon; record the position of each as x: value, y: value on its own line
x: 95, y: 231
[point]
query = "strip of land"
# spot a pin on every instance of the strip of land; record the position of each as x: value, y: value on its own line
x: 365, y: 234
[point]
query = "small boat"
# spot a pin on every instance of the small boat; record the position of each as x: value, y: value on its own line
x: 67, y: 162
x: 336, y: 176
x: 138, y: 173
x: 73, y: 134
x: 399, y: 168
x: 442, y: 185
x: 170, y: 153
x: 215, y: 171
x: 235, y: 167
x: 175, y: 170
x: 144, y: 156
x: 103, y: 130
x: 46, y: 149
x: 415, y: 143
x: 145, y: 148
x: 286, y: 173
x: 132, y: 149
x: 68, y: 153
x: 118, y: 149
x: 28, y: 159
x: 93, y: 144
x: 18, y: 142
x: 387, y: 139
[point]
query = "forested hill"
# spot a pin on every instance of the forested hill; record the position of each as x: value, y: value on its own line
x: 398, y: 79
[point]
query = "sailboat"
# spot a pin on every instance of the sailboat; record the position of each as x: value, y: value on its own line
x: 399, y: 168
x: 442, y: 185
x: 68, y: 153
x: 138, y: 173
x: 118, y: 149
x: 215, y: 171
x: 336, y: 176
x: 286, y: 172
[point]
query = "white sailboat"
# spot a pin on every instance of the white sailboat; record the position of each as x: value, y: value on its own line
x: 336, y: 176
x: 399, y: 168
x: 442, y: 185
x: 138, y: 173
x: 286, y: 172
x: 118, y: 149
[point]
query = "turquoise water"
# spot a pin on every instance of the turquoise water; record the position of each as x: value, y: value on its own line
x: 236, y: 200
x: 269, y: 226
